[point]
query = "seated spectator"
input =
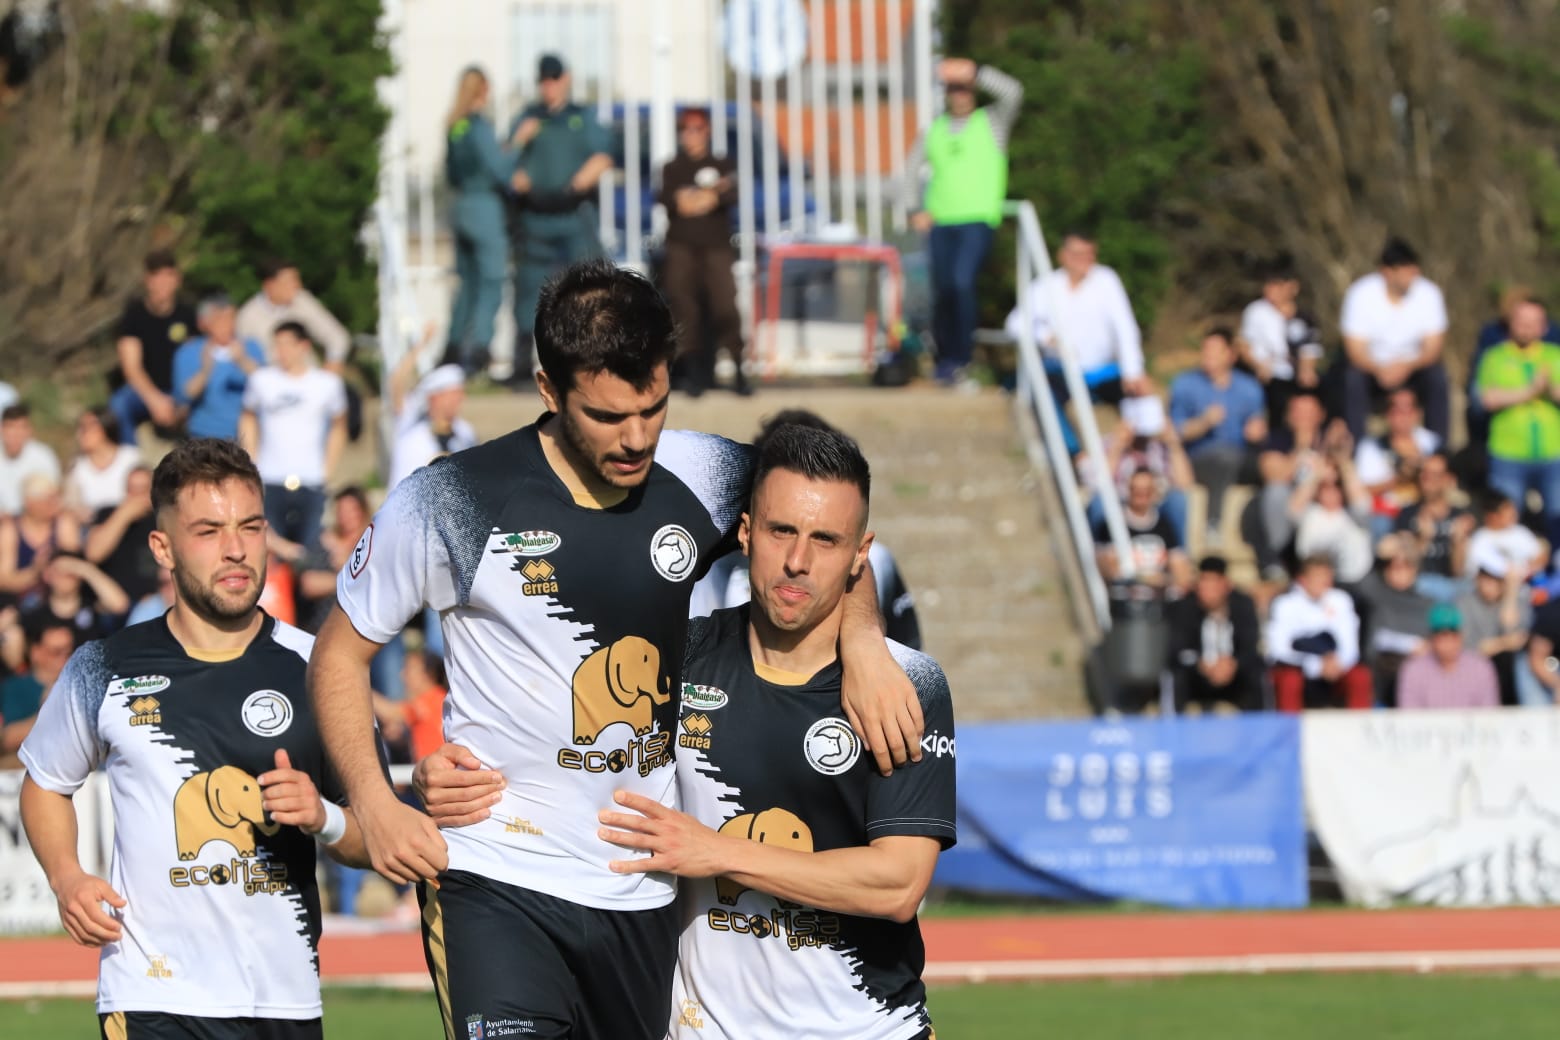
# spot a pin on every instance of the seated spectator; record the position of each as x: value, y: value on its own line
x: 1448, y: 674
x: 1439, y: 528
x: 1493, y: 334
x: 1081, y: 306
x: 98, y: 478
x: 49, y: 646
x: 154, y: 604
x: 1497, y: 615
x: 21, y: 456
x: 1220, y: 416
x: 1396, y: 614
x: 1145, y: 441
x: 283, y: 299
x: 1394, y: 326
x: 29, y: 540
x: 1215, y: 655
x: 1279, y: 344
x: 1159, y: 563
x: 419, y: 718
x: 429, y: 424
x: 1288, y: 459
x: 117, y: 539
x: 210, y: 373
x: 1313, y: 642
x: 1519, y: 385
x: 294, y: 425
x: 1502, y: 533
x: 1543, y: 656
x: 152, y: 328
x: 1388, y: 465
x: 1329, y: 509
x: 78, y: 594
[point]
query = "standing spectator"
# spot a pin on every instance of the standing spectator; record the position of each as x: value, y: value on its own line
x: 562, y: 150
x: 430, y: 425
x: 1519, y: 385
x: 1396, y: 614
x: 964, y: 154
x: 294, y: 425
x: 1288, y: 459
x: 151, y: 330
x: 1160, y: 563
x: 1145, y: 441
x: 102, y: 468
x: 1083, y: 307
x: 1388, y: 465
x: 1215, y: 653
x: 1497, y: 615
x: 209, y: 373
x: 699, y: 191
x: 1313, y: 640
x: 1439, y: 527
x: 31, y: 538
x: 1493, y: 333
x: 1394, y: 326
x: 1502, y: 533
x: 76, y: 593
x: 1279, y: 344
x: 49, y: 646
x: 1218, y: 412
x: 282, y: 299
x: 117, y: 539
x: 1329, y: 510
x: 21, y: 456
x: 1448, y: 675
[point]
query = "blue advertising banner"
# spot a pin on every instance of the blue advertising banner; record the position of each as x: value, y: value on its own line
x: 1185, y: 812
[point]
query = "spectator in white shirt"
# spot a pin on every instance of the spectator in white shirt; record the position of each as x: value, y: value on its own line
x: 1503, y: 535
x: 1313, y: 641
x: 21, y: 457
x: 281, y: 299
x: 1083, y: 308
x: 1330, y: 509
x: 97, y: 478
x: 1280, y: 345
x: 1394, y: 326
x: 1388, y: 465
x: 294, y: 424
x: 429, y: 425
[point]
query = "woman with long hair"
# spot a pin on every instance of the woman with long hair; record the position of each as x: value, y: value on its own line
x: 479, y: 171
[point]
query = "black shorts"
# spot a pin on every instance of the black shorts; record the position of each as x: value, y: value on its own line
x: 507, y: 961
x: 159, y: 1025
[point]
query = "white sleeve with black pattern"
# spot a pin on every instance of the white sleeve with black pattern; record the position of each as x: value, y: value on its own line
x: 400, y: 565
x: 64, y: 747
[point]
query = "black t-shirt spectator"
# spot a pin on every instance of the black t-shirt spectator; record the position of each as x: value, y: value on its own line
x: 160, y: 336
x: 713, y: 228
x: 131, y: 564
x: 1152, y: 543
x: 86, y: 624
x: 1438, y: 551
x: 1546, y: 623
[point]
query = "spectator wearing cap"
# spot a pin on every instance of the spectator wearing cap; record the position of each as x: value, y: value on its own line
x: 1394, y: 326
x: 21, y: 456
x: 294, y: 425
x: 49, y: 646
x: 1219, y: 413
x: 1502, y: 534
x: 98, y: 478
x: 562, y: 151
x: 1313, y: 642
x: 699, y: 191
x: 1395, y: 613
x: 1439, y: 528
x: 1519, y: 385
x: 430, y: 424
x: 211, y: 371
x: 1278, y: 343
x: 1215, y: 655
x: 282, y: 299
x: 1447, y: 674
x: 1144, y: 440
x: 1497, y: 616
x: 1388, y: 465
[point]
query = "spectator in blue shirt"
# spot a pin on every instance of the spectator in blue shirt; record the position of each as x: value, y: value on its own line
x: 1220, y: 415
x: 210, y: 372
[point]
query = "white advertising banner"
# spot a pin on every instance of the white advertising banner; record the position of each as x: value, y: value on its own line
x: 26, y: 904
x: 1453, y: 808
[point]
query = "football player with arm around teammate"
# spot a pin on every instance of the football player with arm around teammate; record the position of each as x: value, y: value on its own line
x: 200, y: 720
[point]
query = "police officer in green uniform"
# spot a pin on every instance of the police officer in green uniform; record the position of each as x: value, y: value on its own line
x: 479, y: 172
x: 563, y: 153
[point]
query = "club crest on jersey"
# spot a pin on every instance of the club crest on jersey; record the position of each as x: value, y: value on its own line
x: 674, y: 552
x: 140, y: 685
x: 831, y: 746
x: 361, y: 552
x: 526, y: 543
x: 267, y: 713
x: 703, y: 698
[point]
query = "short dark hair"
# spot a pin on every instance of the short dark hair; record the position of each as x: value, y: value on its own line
x: 294, y: 328
x: 272, y: 266
x: 159, y: 260
x: 1214, y: 564
x: 200, y: 460
x: 1398, y: 253
x: 789, y: 417
x: 817, y: 453
x: 1223, y: 332
x: 598, y: 317
x: 1082, y: 234
x: 1315, y: 560
x: 433, y: 664
x: 108, y: 421
x: 694, y: 112
x: 1279, y: 272
x: 19, y: 410
x: 355, y: 493
x: 37, y: 624
x: 1493, y: 501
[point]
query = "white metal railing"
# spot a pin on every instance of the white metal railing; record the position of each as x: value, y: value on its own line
x: 1034, y: 388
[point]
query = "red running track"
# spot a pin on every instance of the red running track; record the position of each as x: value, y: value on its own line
x: 1067, y: 945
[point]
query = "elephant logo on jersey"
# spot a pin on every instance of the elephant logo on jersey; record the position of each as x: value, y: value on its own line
x: 222, y: 805
x: 618, y: 683
x: 771, y: 827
